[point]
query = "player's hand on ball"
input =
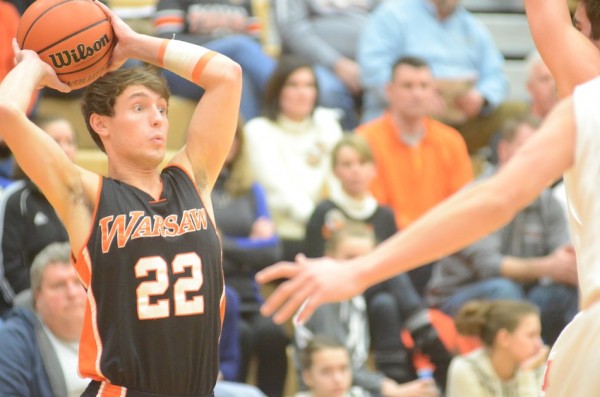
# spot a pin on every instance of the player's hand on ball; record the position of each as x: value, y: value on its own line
x: 49, y: 79
x: 125, y: 39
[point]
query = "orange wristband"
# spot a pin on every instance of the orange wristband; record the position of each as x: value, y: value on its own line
x: 161, y: 52
x: 201, y: 64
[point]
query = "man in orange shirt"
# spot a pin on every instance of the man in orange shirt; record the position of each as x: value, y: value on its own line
x: 419, y: 160
x: 9, y: 20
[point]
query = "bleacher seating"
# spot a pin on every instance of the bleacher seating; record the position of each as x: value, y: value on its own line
x: 504, y: 6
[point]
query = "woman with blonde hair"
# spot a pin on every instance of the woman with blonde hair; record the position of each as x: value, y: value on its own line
x: 510, y: 363
x: 289, y: 148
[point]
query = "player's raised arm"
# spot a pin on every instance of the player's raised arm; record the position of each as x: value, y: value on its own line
x: 38, y: 155
x: 566, y: 46
x: 213, y: 124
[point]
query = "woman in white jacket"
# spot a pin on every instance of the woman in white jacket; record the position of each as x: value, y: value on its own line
x: 289, y: 149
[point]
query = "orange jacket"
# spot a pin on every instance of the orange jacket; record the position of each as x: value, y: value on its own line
x: 9, y: 20
x: 411, y: 180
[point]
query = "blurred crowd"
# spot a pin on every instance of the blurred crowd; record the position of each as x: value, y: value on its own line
x: 357, y: 117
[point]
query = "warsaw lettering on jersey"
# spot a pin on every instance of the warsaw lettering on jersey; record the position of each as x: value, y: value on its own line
x: 79, y: 53
x: 138, y: 225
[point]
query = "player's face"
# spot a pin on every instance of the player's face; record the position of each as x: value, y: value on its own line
x: 542, y: 88
x: 330, y: 374
x: 410, y: 92
x: 62, y: 132
x: 139, y: 124
x: 525, y: 341
x: 60, y: 300
x: 583, y: 24
x: 354, y: 172
x: 299, y: 95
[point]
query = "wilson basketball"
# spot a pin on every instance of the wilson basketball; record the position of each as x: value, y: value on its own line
x: 73, y: 36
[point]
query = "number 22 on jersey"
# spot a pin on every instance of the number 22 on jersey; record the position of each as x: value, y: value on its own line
x: 161, y: 308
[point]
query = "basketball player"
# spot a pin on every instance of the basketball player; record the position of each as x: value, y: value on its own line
x: 568, y: 142
x: 144, y: 241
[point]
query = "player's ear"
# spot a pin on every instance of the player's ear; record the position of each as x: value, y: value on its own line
x: 98, y: 123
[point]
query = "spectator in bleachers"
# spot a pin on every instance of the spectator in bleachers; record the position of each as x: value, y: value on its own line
x: 543, y: 96
x: 346, y: 322
x: 531, y: 257
x: 393, y: 304
x: 9, y: 22
x: 249, y: 244
x: 461, y: 52
x: 228, y: 27
x: 420, y: 161
x: 20, y: 5
x: 289, y: 150
x: 28, y: 223
x: 540, y: 86
x: 326, y: 33
x: 39, y: 341
x: 326, y: 370
x: 511, y: 363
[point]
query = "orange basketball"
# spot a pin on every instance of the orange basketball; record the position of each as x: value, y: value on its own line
x: 73, y: 36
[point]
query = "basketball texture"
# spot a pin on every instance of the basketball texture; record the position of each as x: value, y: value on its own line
x: 73, y: 36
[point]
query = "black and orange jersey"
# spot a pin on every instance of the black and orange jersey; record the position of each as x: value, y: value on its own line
x: 154, y: 279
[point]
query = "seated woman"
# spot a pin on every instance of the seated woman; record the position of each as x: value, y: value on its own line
x: 289, y: 149
x: 512, y: 360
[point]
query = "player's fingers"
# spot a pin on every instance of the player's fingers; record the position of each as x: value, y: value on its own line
x: 277, y: 271
x: 298, y: 293
x: 307, y: 310
x: 60, y: 86
x: 15, y: 45
x: 287, y: 290
x: 16, y: 50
